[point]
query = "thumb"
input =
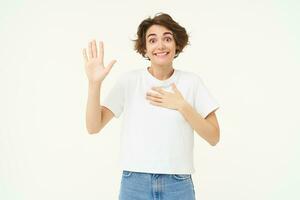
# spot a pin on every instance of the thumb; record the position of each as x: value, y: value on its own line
x: 174, y: 87
x: 110, y: 65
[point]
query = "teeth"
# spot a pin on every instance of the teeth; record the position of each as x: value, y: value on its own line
x: 161, y: 54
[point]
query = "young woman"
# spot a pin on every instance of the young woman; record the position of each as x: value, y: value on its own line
x: 162, y: 107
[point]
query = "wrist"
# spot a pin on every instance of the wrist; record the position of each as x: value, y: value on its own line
x: 182, y: 105
x: 95, y: 83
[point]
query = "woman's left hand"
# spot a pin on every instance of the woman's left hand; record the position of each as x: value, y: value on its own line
x: 166, y: 99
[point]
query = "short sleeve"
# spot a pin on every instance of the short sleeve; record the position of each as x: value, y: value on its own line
x: 115, y: 98
x: 204, y: 102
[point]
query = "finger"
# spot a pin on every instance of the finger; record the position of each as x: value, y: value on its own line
x: 84, y: 55
x: 94, y: 49
x: 101, y: 51
x: 155, y: 99
x: 174, y: 87
x: 110, y: 65
x: 158, y: 89
x: 154, y: 95
x: 155, y: 103
x: 90, y: 50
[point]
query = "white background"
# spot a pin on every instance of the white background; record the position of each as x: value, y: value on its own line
x: 247, y: 53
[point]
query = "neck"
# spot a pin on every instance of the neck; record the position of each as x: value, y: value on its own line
x: 161, y: 72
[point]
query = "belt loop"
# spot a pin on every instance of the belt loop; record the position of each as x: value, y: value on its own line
x: 155, y: 175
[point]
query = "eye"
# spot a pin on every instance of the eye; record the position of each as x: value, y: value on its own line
x: 168, y: 39
x: 152, y: 40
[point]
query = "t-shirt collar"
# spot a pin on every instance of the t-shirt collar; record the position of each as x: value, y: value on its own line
x: 158, y: 82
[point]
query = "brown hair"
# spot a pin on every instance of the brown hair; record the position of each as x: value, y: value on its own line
x: 179, y: 33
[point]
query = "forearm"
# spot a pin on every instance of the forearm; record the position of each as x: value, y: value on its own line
x: 202, y: 126
x: 93, y: 109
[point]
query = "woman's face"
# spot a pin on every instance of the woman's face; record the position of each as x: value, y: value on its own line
x: 160, y: 45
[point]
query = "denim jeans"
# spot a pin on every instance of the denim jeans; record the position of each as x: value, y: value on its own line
x: 149, y: 186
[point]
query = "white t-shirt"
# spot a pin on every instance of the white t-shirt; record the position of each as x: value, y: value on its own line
x: 155, y: 139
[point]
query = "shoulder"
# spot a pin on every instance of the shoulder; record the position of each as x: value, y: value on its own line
x: 190, y: 76
x: 133, y: 73
x: 130, y: 75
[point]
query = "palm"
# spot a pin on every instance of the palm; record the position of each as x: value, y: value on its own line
x: 94, y: 67
x: 95, y: 70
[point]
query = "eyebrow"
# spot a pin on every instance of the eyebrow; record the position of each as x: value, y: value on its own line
x: 165, y: 33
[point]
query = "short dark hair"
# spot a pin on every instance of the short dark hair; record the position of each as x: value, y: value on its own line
x: 179, y: 33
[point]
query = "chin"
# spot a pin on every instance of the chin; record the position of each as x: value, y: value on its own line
x: 162, y: 63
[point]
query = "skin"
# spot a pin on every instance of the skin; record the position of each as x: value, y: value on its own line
x: 97, y: 116
x: 160, y: 40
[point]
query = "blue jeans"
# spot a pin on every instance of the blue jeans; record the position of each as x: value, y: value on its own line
x: 148, y: 186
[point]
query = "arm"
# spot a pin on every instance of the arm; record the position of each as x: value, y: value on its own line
x: 207, y: 128
x: 96, y: 115
x: 93, y: 109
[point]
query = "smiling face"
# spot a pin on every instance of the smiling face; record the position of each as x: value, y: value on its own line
x: 160, y: 45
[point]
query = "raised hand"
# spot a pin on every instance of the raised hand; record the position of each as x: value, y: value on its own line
x: 94, y: 67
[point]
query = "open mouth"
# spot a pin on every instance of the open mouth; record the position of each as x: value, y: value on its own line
x: 161, y: 54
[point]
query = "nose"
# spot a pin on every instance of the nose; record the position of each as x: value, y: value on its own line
x: 161, y: 44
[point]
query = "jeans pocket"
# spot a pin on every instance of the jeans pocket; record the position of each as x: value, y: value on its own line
x: 126, y: 173
x: 181, y: 176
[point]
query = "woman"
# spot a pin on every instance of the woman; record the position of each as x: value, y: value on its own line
x: 162, y: 107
